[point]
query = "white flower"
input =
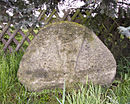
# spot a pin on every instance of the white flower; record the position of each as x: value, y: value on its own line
x: 124, y: 31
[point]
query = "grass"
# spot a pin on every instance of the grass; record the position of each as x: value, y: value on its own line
x: 12, y: 92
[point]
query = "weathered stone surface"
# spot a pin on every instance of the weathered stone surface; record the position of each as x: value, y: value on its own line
x: 65, y: 51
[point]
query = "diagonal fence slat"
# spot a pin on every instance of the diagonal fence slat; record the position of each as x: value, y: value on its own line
x: 10, y: 39
x: 25, y: 37
x: 75, y: 15
x: 57, y: 16
x: 21, y: 32
x: 21, y: 43
x: 46, y: 19
x: 10, y: 48
x: 4, y: 30
x: 15, y: 41
x: 50, y: 17
x: 66, y: 14
x: 33, y: 33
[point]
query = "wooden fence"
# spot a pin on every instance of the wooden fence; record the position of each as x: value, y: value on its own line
x: 6, y: 29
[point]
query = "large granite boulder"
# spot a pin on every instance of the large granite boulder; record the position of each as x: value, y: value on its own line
x: 65, y: 51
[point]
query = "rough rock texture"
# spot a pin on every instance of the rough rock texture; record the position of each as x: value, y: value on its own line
x: 65, y: 51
